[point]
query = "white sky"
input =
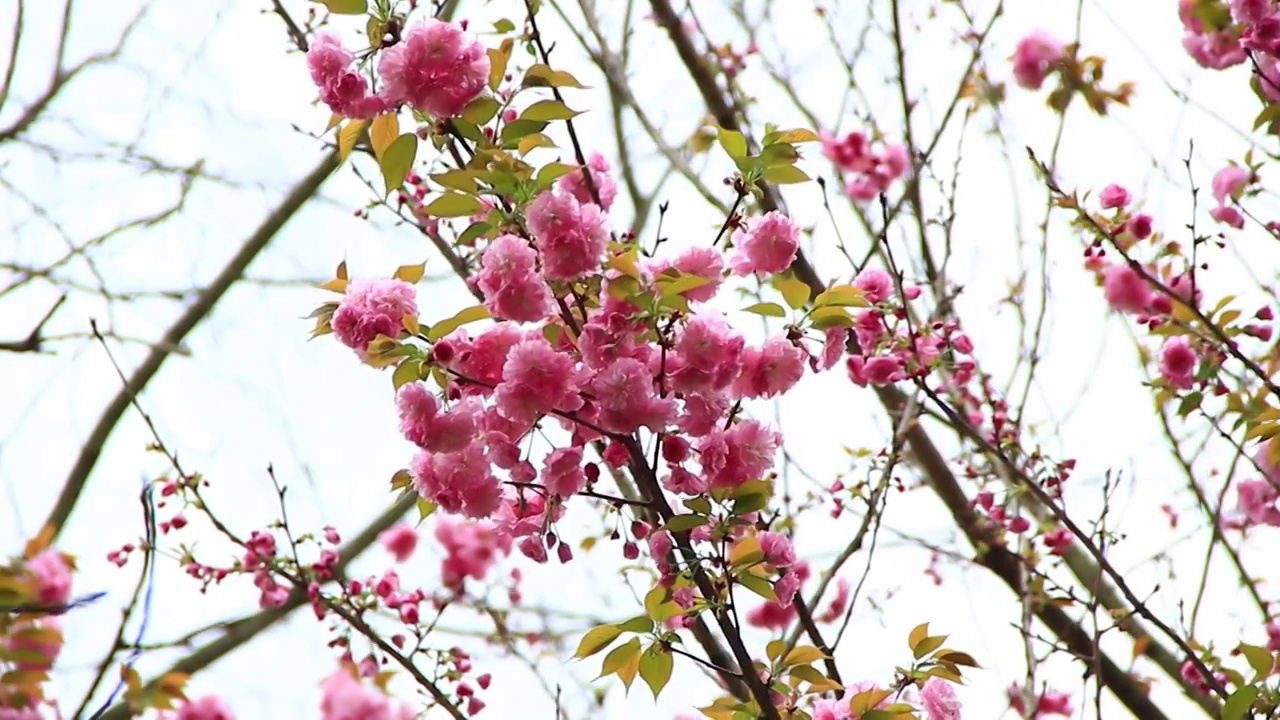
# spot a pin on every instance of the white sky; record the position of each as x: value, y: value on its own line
x: 212, y: 82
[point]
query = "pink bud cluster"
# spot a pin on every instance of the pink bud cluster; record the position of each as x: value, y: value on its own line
x: 1047, y: 704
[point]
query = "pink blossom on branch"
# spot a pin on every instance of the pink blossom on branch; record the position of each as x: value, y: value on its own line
x: 767, y: 245
x: 373, y: 307
x: 435, y: 69
x: 575, y: 183
x: 1035, y: 57
x: 342, y: 88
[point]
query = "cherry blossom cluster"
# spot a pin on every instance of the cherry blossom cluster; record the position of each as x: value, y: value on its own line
x: 434, y: 67
x: 868, y: 171
x: 31, y: 642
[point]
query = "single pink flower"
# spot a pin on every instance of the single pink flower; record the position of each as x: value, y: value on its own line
x: 400, y: 540
x: 1035, y: 57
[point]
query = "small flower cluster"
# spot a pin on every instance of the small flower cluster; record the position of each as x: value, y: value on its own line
x: 434, y: 68
x: 31, y: 642
x: 870, y: 172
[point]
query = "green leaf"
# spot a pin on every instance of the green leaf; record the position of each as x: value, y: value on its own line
x: 346, y: 7
x: 927, y: 645
x: 547, y: 110
x: 794, y: 291
x: 473, y: 231
x: 619, y: 656
x: 517, y: 129
x: 670, y: 287
x: 733, y: 142
x: 383, y: 130
x: 803, y: 655
x: 540, y: 75
x: 1260, y: 659
x: 411, y: 274
x: 918, y: 633
x: 830, y: 316
x: 638, y: 624
x: 397, y: 159
x: 425, y: 508
x: 503, y: 25
x: 348, y: 135
x: 842, y: 296
x: 1269, y: 115
x: 498, y: 65
x: 552, y: 172
x: 460, y: 180
x: 679, y: 523
x: 1239, y: 703
x: 750, y: 503
x: 481, y: 110
x: 406, y: 372
x: 469, y: 315
x: 597, y: 639
x: 654, y: 599
x: 453, y: 204
x: 757, y: 585
x: 655, y: 668
x: 784, y: 175
x: 767, y: 309
x: 700, y: 505
x: 798, y: 135
x: 774, y: 648
x: 781, y: 154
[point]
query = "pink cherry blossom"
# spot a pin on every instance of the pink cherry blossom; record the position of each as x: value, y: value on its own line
x: 459, y: 482
x: 744, y: 452
x: 471, y: 549
x: 370, y: 308
x: 1125, y: 289
x: 342, y: 88
x: 1178, y: 362
x: 575, y: 183
x: 345, y: 698
x: 570, y: 236
x: 400, y: 540
x: 1229, y: 182
x: 767, y: 245
x: 769, y: 370
x: 537, y: 380
x: 1114, y: 196
x: 209, y: 707
x: 939, y: 700
x: 52, y: 577
x: 1035, y: 57
x: 509, y: 279
x: 435, y: 68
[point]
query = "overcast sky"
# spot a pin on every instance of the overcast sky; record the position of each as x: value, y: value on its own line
x: 213, y: 82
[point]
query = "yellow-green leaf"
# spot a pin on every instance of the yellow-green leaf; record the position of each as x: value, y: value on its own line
x: 406, y: 372
x: 481, y: 110
x: 841, y: 296
x: 1260, y: 659
x: 817, y: 681
x: 547, y: 110
x: 540, y: 75
x: 469, y: 315
x: 830, y: 316
x: 397, y: 159
x: 498, y: 63
x: 928, y: 645
x: 425, y: 508
x: 774, y: 648
x: 348, y: 135
x: 460, y: 180
x: 453, y: 204
x: 411, y: 274
x: 597, y: 638
x: 627, y: 263
x: 1238, y: 704
x: 733, y: 142
x: 535, y: 140
x: 346, y: 7
x: 767, y: 309
x: 383, y: 130
x: 794, y: 291
x: 554, y: 171
x: 655, y: 668
x: 784, y: 175
x: 798, y: 135
x: 803, y: 655
x: 620, y: 656
x: 746, y: 552
x: 918, y: 633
